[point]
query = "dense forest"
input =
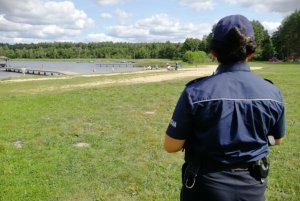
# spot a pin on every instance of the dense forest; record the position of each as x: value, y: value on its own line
x: 283, y: 44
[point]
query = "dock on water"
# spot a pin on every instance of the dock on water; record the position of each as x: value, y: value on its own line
x: 33, y: 71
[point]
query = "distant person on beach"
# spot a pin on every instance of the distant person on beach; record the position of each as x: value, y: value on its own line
x: 223, y: 122
x: 176, y: 66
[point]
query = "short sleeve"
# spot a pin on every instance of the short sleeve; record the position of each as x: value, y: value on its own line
x: 278, y: 130
x: 181, y: 123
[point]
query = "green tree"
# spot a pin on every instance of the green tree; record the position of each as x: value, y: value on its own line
x: 170, y: 50
x: 287, y: 38
x: 267, y: 49
x: 142, y: 53
x: 191, y: 44
x: 262, y: 40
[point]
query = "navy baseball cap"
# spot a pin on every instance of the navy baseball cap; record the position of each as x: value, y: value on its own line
x: 227, y: 23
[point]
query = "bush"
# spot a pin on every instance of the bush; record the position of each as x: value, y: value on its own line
x: 197, y: 57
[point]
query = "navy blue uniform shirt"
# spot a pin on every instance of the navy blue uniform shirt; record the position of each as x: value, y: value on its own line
x: 226, y: 117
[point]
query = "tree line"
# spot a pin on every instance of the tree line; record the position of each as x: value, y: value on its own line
x: 283, y: 43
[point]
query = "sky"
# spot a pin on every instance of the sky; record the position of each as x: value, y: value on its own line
x: 33, y: 21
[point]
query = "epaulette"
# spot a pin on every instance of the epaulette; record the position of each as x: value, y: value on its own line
x: 195, y: 80
x: 268, y: 80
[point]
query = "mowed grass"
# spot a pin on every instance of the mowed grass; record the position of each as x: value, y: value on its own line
x: 285, y: 159
x: 123, y: 126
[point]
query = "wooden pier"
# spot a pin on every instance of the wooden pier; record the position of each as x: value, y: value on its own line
x: 33, y: 71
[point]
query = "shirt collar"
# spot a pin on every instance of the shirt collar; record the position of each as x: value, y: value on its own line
x: 243, y: 66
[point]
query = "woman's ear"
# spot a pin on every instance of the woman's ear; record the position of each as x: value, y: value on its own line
x: 213, y: 53
x: 249, y: 57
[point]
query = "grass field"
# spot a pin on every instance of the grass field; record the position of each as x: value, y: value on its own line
x: 120, y: 129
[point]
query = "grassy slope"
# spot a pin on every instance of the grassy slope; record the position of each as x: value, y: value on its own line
x: 285, y: 168
x: 125, y: 160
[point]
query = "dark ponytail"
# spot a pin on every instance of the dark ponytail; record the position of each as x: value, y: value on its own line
x: 236, y: 47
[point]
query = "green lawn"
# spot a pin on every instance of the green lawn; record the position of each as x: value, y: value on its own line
x: 123, y: 126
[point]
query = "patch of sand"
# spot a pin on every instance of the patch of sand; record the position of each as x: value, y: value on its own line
x: 82, y: 145
x: 19, y: 144
x: 150, y: 113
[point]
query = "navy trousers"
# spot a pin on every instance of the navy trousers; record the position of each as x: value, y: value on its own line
x: 224, y: 185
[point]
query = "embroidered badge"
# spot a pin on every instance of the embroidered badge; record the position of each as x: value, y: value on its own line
x: 173, y: 123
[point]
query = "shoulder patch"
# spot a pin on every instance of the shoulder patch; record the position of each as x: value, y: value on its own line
x: 195, y: 80
x: 268, y: 80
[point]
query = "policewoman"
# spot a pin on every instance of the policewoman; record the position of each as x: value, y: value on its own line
x: 223, y: 122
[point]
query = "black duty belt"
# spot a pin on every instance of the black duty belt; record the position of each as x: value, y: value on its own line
x: 258, y: 169
x: 210, y: 165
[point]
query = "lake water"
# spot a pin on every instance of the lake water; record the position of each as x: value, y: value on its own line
x: 69, y: 67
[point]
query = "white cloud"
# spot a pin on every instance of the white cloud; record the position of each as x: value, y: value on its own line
x: 199, y: 5
x: 157, y: 28
x: 109, y: 2
x: 6, y: 25
x: 12, y: 40
x: 122, y: 14
x: 106, y: 15
x: 101, y: 37
x: 277, y: 6
x: 271, y: 26
x: 39, y: 19
x: 38, y: 12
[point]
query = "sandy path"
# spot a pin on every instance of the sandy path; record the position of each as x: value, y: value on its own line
x: 142, y: 77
